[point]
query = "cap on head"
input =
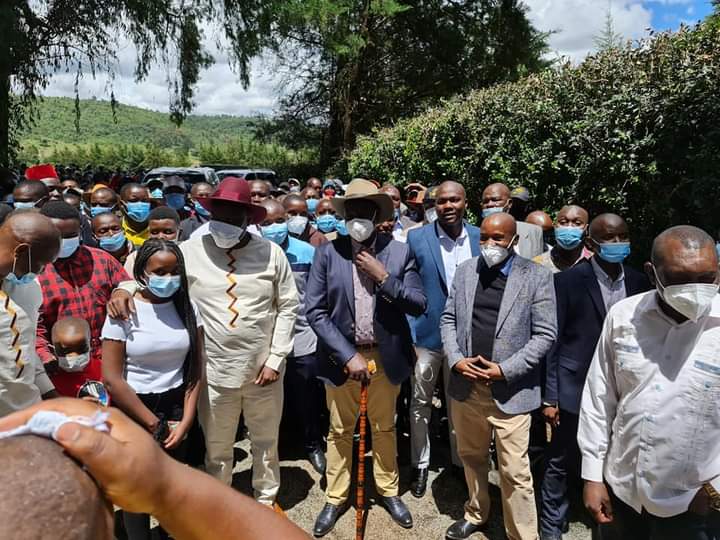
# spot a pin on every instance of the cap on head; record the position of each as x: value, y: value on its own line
x: 521, y: 193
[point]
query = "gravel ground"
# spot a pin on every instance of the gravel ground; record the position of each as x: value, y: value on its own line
x: 301, y: 496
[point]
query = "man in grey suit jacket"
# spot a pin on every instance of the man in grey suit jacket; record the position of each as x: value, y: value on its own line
x: 495, y: 199
x: 499, y: 321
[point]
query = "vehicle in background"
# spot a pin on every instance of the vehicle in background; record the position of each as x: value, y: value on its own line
x: 250, y: 174
x: 191, y: 175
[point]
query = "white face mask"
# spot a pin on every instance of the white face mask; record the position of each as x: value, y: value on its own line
x: 224, y: 234
x: 431, y: 215
x: 74, y: 363
x: 693, y: 300
x: 494, y: 254
x: 297, y: 224
x: 360, y: 229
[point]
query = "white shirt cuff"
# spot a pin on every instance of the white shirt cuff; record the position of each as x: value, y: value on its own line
x: 592, y: 469
x: 275, y: 362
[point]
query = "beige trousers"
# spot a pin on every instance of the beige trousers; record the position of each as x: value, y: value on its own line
x: 219, y: 411
x: 475, y: 419
x: 344, y: 405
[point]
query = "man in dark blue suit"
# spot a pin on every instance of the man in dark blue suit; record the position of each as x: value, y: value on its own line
x: 438, y: 248
x: 360, y: 290
x: 584, y: 295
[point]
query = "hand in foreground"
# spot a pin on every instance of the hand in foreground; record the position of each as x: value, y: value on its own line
x: 127, y: 464
x: 357, y: 368
x: 467, y: 368
x: 121, y: 305
x: 597, y: 501
x: 552, y: 416
x: 266, y: 376
x: 491, y: 372
x: 371, y: 266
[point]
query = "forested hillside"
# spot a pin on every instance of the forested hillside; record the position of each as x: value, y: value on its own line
x: 55, y: 125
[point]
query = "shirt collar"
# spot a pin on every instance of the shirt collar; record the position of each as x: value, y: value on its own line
x: 601, y: 274
x: 442, y: 235
x: 504, y: 269
x: 79, y: 258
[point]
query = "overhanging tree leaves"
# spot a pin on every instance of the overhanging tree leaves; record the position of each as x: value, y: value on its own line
x: 354, y: 64
x: 42, y: 37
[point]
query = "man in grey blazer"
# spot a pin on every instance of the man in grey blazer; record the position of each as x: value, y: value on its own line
x: 495, y: 199
x: 499, y: 321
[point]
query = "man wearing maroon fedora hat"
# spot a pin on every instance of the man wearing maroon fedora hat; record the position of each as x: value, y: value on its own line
x: 246, y: 296
x: 360, y: 290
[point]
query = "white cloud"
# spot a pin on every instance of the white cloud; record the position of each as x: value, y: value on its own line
x: 577, y: 22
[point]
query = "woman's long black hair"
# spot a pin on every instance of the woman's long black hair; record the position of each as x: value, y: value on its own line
x: 192, y: 366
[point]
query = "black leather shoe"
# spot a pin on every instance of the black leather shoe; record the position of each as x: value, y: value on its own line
x: 317, y: 460
x: 326, y: 519
x: 398, y: 511
x: 418, y: 486
x: 461, y: 529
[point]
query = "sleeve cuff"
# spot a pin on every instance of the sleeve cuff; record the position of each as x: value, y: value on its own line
x: 43, y: 382
x: 592, y: 469
x: 452, y: 362
x: 128, y: 286
x: 275, y: 362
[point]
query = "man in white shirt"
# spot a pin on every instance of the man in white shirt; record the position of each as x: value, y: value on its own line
x: 649, y: 425
x: 28, y: 241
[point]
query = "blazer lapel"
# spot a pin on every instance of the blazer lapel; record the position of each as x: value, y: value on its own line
x: 474, y: 238
x: 345, y: 264
x: 514, y: 285
x: 471, y: 285
x: 381, y: 251
x: 434, y: 244
x: 594, y: 289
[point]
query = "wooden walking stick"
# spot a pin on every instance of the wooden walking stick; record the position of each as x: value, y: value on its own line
x: 360, y: 497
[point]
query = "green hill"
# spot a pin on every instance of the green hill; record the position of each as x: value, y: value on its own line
x: 55, y: 125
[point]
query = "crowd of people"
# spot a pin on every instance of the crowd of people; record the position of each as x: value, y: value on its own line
x: 200, y: 309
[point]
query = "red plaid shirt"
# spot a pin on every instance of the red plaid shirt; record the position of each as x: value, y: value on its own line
x: 79, y: 286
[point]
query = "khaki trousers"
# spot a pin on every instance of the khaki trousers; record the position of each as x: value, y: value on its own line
x: 219, y: 411
x: 344, y: 405
x: 475, y: 419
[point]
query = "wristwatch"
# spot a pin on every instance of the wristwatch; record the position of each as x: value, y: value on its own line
x: 713, y: 495
x: 548, y: 404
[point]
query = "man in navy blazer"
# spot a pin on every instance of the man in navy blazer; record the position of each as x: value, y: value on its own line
x: 584, y: 294
x: 360, y: 290
x: 438, y: 248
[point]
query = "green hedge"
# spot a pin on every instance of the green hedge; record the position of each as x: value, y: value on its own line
x: 633, y: 130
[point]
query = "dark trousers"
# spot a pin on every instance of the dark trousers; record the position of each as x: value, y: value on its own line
x: 629, y: 525
x: 562, y: 463
x: 167, y: 406
x: 304, y: 399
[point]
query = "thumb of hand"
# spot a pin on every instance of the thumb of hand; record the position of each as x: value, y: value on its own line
x: 89, y: 446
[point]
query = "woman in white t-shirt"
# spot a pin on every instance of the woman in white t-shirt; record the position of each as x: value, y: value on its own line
x: 153, y: 363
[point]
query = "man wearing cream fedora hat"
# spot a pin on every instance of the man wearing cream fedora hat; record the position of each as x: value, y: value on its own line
x: 360, y: 290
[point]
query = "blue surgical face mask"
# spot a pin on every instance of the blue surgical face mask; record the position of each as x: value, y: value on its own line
x: 327, y: 223
x: 277, y: 232
x: 68, y: 247
x: 20, y: 205
x: 312, y: 205
x: 26, y: 278
x: 163, y: 286
x: 614, y: 252
x: 176, y: 201
x: 341, y: 228
x: 156, y: 193
x: 97, y: 210
x: 112, y: 243
x: 568, y: 238
x: 494, y: 210
x: 138, y: 211
x: 200, y: 209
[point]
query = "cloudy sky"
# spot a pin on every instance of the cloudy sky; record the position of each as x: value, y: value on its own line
x: 575, y: 23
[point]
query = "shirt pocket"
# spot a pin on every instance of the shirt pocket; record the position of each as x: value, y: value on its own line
x: 630, y: 363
